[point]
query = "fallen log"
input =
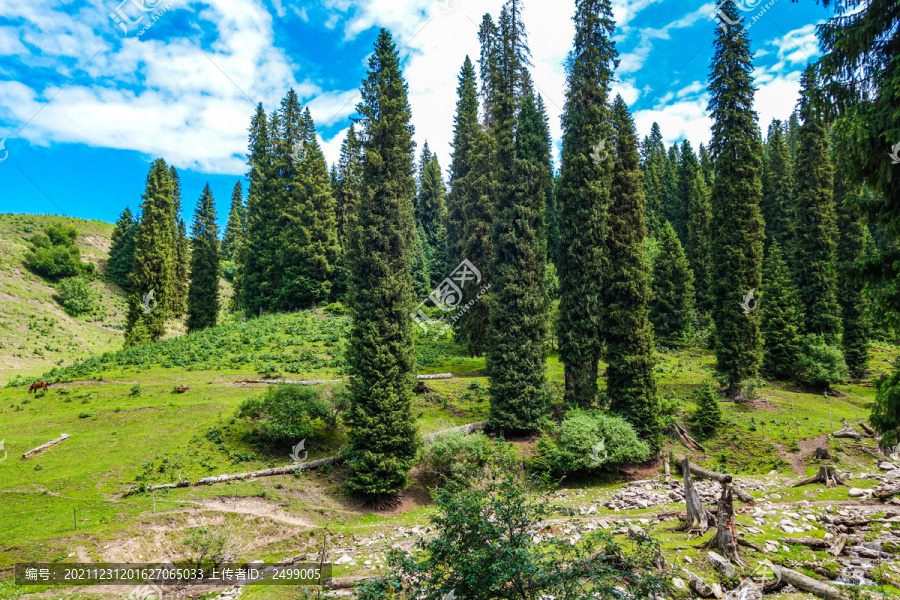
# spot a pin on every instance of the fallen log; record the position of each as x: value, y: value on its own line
x: 49, y: 444
x: 866, y: 428
x: 748, y: 544
x: 827, y: 476
x: 807, y: 584
x: 684, y: 437
x: 846, y: 431
x: 886, y: 492
x: 291, y: 381
x: 805, y: 541
x: 838, y: 546
x: 722, y: 478
x: 436, y: 376
x: 346, y: 584
x: 170, y: 486
x: 467, y: 428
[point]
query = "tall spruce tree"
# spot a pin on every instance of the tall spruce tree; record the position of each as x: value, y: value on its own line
x: 203, y: 293
x: 671, y: 197
x: 421, y: 265
x: 150, y: 280
x: 697, y: 240
x: 630, y: 378
x: 707, y: 167
x: 688, y: 169
x: 380, y: 350
x: 518, y: 324
x: 777, y: 205
x: 737, y: 232
x: 653, y: 164
x: 121, y: 250
x: 781, y: 316
x: 851, y: 250
x: 431, y: 214
x: 583, y: 194
x: 816, y: 228
x: 349, y: 188
x: 465, y: 127
x: 237, y: 223
x: 180, y: 255
x: 489, y: 66
x: 672, y: 298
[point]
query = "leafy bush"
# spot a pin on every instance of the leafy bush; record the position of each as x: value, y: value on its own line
x: 588, y: 440
x: 285, y: 413
x: 708, y: 415
x: 453, y: 452
x: 819, y: 363
x: 214, y: 545
x: 75, y: 295
x: 485, y: 546
x: 55, y: 253
x: 229, y: 270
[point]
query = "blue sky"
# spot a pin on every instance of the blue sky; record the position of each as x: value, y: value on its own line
x: 85, y: 107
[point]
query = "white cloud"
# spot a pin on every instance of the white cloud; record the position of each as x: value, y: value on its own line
x: 799, y: 45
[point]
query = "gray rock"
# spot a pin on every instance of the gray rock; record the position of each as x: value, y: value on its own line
x: 699, y: 585
x: 721, y: 564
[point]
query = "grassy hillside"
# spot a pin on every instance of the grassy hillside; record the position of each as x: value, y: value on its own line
x: 128, y: 427
x: 35, y: 332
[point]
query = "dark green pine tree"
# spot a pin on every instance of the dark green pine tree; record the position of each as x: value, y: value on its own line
x: 518, y: 323
x: 380, y: 352
x: 583, y: 194
x: 421, y: 265
x: 121, y: 250
x: 815, y: 251
x: 630, y: 379
x: 777, y: 204
x: 489, y: 66
x: 237, y: 224
x: 851, y: 293
x: 707, y: 167
x: 653, y: 165
x: 781, y: 316
x: 688, y: 169
x: 465, y: 128
x: 203, y: 293
x: 257, y: 254
x: 180, y: 257
x: 431, y: 214
x: 737, y: 231
x: 671, y: 196
x: 150, y: 280
x: 348, y: 189
x: 792, y: 135
x: 309, y: 248
x: 672, y: 297
x: 697, y: 241
x: 551, y: 216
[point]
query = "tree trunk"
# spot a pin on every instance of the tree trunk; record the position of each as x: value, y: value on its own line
x: 726, y: 538
x: 827, y: 476
x: 49, y: 444
x: 681, y: 434
x: 867, y: 429
x: 697, y: 517
x: 722, y: 478
x: 846, y: 431
x: 808, y: 584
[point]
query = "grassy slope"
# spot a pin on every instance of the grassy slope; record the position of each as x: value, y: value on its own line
x: 35, y: 332
x: 124, y: 435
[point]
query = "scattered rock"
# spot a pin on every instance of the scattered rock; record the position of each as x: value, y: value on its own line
x: 721, y: 564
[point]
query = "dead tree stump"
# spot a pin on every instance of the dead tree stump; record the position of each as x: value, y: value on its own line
x: 697, y: 518
x: 725, y: 539
x: 827, y: 476
x: 823, y: 454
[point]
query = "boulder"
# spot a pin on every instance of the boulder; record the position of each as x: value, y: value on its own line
x: 721, y: 564
x: 700, y: 586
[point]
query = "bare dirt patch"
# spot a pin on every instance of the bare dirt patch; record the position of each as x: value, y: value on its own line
x: 258, y: 507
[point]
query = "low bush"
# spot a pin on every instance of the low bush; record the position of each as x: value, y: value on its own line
x: 285, y: 413
x: 75, y: 295
x: 454, y: 451
x: 819, y: 363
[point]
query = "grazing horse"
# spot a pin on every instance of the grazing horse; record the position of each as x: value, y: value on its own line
x: 38, y: 385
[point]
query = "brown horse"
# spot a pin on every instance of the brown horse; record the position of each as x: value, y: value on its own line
x: 38, y: 385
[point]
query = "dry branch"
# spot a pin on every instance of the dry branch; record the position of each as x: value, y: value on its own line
x: 867, y: 429
x: 684, y: 437
x: 722, y: 478
x: 805, y: 541
x: 49, y: 444
x: 846, y: 431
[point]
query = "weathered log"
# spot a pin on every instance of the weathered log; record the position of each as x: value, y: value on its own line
x: 436, y: 376
x: 725, y: 539
x: 697, y: 517
x: 838, y: 546
x: 49, y: 444
x: 805, y: 541
x: 170, y: 486
x: 846, y: 431
x: 748, y: 544
x: 467, y: 428
x: 685, y: 438
x: 808, y: 584
x: 291, y: 381
x: 346, y: 584
x: 866, y: 428
x: 827, y: 476
x: 886, y: 492
x: 722, y: 478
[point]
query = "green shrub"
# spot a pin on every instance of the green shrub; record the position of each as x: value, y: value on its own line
x: 229, y: 270
x: 335, y: 308
x: 285, y: 413
x: 708, y: 415
x: 75, y: 295
x: 819, y: 363
x: 55, y: 253
x: 215, y: 545
x: 454, y: 451
x: 583, y: 432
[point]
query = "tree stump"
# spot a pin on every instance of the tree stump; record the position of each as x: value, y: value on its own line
x: 697, y: 518
x: 846, y: 431
x: 823, y: 454
x: 422, y: 388
x: 725, y: 539
x: 827, y: 476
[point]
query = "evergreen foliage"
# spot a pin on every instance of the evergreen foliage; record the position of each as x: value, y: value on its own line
x: 591, y: 440
x: 708, y: 415
x: 180, y: 256
x: 348, y: 190
x: 737, y: 231
x: 431, y: 214
x: 852, y: 294
x: 782, y: 316
x: 777, y: 205
x: 121, y: 250
x: 653, y: 165
x: 465, y: 129
x: 672, y: 299
x: 380, y: 351
x: 237, y: 224
x: 697, y: 240
x: 688, y: 169
x: 203, y: 293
